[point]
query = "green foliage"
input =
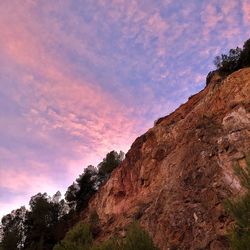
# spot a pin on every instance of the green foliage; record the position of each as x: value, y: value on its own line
x: 41, y: 222
x: 10, y: 241
x: 138, y: 239
x: 78, y: 238
x: 110, y: 244
x: 48, y: 219
x: 244, y: 60
x: 240, y: 211
x: 228, y: 63
x: 79, y: 193
x: 12, y: 229
x: 236, y: 59
x: 35, y: 229
x: 85, y: 186
x: 71, y: 195
x: 94, y: 218
x: 94, y: 222
x: 109, y: 163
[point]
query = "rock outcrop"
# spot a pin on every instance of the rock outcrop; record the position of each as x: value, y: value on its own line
x: 176, y: 176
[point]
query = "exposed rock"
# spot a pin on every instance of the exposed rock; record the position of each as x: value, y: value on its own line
x: 213, y: 76
x: 176, y: 176
x: 237, y: 120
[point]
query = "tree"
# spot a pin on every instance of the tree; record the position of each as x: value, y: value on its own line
x: 236, y: 59
x: 87, y: 185
x: 244, y: 60
x: 79, y: 193
x: 71, y: 195
x: 109, y: 163
x: 227, y: 64
x: 48, y: 219
x: 13, y: 232
x: 240, y: 211
x: 41, y: 222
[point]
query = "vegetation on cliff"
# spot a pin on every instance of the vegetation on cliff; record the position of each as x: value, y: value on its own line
x: 235, y: 59
x: 80, y: 237
x: 240, y: 211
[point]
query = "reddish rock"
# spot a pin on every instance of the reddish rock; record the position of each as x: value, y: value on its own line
x: 176, y: 176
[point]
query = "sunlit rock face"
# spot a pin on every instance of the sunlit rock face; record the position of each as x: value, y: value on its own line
x: 176, y: 176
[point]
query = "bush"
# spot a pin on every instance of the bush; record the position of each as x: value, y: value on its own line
x: 78, y: 238
x: 111, y: 244
x: 240, y: 211
x: 94, y: 222
x: 138, y: 239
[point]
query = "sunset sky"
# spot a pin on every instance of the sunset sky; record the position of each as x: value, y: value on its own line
x: 80, y: 78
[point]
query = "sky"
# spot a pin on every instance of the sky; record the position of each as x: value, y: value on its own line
x: 79, y: 78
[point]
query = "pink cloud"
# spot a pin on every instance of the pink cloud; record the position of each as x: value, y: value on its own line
x: 210, y: 17
x: 246, y: 12
x: 213, y: 17
x: 18, y: 181
x: 58, y: 100
x: 60, y: 89
x: 22, y: 184
x: 72, y: 112
x: 6, y: 208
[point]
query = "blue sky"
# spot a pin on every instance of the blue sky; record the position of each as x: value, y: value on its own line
x: 80, y: 78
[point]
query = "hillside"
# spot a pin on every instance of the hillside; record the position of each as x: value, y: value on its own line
x: 176, y: 176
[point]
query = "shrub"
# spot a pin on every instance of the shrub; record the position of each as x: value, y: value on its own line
x: 240, y: 211
x: 94, y: 222
x: 137, y: 239
x: 110, y: 244
x: 78, y: 238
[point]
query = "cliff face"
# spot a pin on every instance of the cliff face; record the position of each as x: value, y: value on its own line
x: 176, y: 176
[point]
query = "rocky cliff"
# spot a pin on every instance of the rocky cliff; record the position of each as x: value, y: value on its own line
x: 176, y: 176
